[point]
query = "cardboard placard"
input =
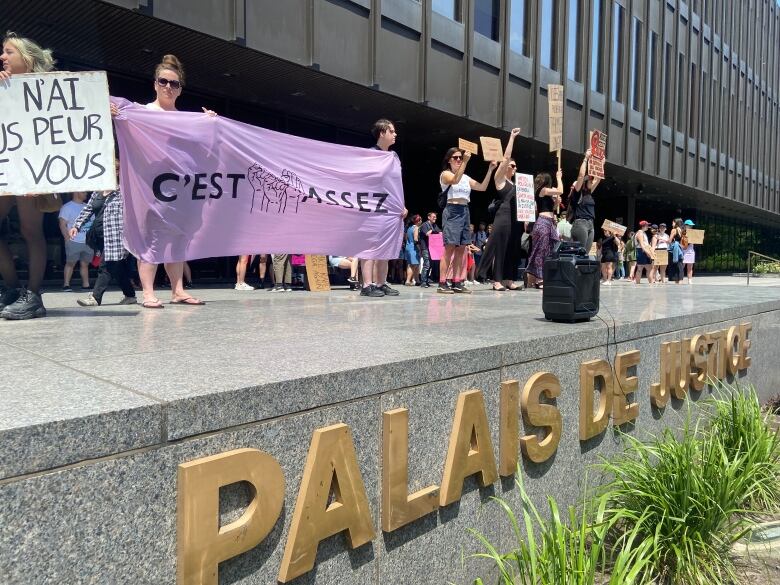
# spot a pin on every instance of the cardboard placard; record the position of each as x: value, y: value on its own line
x: 57, y: 133
x: 598, y: 153
x: 436, y: 246
x: 614, y: 227
x: 661, y: 257
x: 695, y: 236
x: 467, y: 146
x: 524, y: 193
x: 594, y: 249
x: 555, y: 114
x: 491, y: 149
x: 317, y: 273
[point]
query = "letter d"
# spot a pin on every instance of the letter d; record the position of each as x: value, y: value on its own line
x: 202, y: 542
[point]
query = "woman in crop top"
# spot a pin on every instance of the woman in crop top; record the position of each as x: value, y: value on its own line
x: 456, y: 217
x: 545, y: 232
x: 584, y: 206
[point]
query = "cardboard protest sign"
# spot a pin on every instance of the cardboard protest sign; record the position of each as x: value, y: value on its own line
x: 615, y: 228
x: 491, y: 149
x: 56, y: 134
x: 661, y: 257
x: 594, y: 249
x: 598, y: 152
x: 695, y: 236
x: 467, y: 146
x: 555, y: 112
x: 524, y: 193
x: 317, y: 273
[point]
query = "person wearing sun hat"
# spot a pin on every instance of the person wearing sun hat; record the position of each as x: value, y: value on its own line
x: 689, y: 254
x: 644, y: 254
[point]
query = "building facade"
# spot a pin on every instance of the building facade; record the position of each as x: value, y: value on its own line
x: 686, y: 92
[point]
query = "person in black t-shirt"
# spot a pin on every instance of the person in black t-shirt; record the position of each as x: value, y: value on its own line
x: 428, y: 227
x: 584, y: 206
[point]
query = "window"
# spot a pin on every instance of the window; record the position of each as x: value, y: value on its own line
x: 680, y: 93
x: 667, y: 89
x: 519, y: 34
x: 597, y: 47
x: 617, y: 53
x: 549, y: 40
x: 652, y: 76
x: 449, y: 8
x: 486, y: 18
x: 693, y: 101
x: 574, y: 42
x: 636, y: 63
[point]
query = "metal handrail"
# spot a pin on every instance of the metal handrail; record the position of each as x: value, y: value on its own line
x: 751, y: 253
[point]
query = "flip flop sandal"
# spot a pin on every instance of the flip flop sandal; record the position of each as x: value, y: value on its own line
x: 188, y: 301
x: 152, y: 305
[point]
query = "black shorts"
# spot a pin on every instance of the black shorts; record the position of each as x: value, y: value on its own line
x: 456, y: 219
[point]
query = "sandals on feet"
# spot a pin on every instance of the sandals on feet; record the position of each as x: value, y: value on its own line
x: 155, y: 304
x: 187, y: 301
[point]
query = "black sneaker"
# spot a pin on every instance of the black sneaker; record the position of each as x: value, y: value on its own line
x: 8, y: 296
x: 28, y: 306
x: 445, y: 289
x: 390, y: 292
x: 425, y: 285
x: 458, y: 287
x: 66, y: 288
x: 371, y: 291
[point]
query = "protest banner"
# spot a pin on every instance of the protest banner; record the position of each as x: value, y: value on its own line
x: 205, y: 186
x: 55, y: 133
x: 598, y: 152
x: 317, y: 279
x: 661, y: 257
x: 614, y: 227
x: 555, y: 114
x: 436, y: 246
x: 695, y: 236
x: 524, y: 192
x: 491, y: 149
x: 467, y: 146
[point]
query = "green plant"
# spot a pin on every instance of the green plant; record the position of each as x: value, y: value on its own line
x: 740, y: 426
x: 554, y: 552
x: 685, y: 493
x: 767, y: 268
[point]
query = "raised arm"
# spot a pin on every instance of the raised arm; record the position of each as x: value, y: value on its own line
x: 450, y: 178
x: 500, y: 177
x: 583, y: 169
x: 554, y: 192
x: 484, y: 184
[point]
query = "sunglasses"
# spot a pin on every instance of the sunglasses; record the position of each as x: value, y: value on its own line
x: 456, y: 157
x: 512, y: 166
x: 162, y: 82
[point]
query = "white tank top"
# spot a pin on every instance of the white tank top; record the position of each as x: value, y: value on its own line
x: 461, y: 190
x: 662, y: 242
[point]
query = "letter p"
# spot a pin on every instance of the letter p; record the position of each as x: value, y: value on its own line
x: 202, y: 542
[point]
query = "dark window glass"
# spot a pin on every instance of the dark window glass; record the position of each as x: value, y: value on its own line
x: 652, y: 75
x: 549, y: 37
x: 486, y: 18
x: 519, y: 33
x: 636, y: 63
x: 693, y: 101
x: 618, y: 52
x: 574, y: 43
x: 597, y: 47
x: 680, y: 125
x: 667, y: 85
x: 449, y: 8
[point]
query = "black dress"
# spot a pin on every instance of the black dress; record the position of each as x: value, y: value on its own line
x: 502, y: 252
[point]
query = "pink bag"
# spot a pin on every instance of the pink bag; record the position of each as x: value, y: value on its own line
x: 298, y: 260
x: 436, y: 246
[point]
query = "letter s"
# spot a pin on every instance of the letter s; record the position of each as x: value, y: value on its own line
x: 158, y: 181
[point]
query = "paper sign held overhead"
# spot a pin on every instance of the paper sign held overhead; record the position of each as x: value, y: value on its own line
x: 614, y: 227
x: 555, y: 114
x: 491, y: 149
x: 467, y: 146
x: 598, y: 152
x: 56, y: 134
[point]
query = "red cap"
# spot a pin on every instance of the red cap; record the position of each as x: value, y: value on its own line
x: 643, y: 222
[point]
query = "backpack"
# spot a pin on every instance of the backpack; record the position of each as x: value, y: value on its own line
x: 441, y: 198
x: 94, y: 236
x: 684, y: 239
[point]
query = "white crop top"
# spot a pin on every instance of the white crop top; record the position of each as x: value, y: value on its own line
x: 461, y: 190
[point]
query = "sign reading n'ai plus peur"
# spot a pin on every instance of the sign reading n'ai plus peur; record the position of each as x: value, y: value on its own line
x: 56, y: 134
x: 607, y: 391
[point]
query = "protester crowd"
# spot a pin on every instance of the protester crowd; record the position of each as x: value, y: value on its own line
x: 454, y: 256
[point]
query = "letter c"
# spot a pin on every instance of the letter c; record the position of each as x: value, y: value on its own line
x: 158, y: 181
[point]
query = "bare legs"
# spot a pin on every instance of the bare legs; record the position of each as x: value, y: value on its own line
x: 31, y: 221
x: 175, y: 271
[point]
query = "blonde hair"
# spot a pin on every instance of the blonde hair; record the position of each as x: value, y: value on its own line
x: 171, y: 63
x: 37, y: 59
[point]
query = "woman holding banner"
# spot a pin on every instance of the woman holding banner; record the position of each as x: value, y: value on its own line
x: 502, y: 251
x: 21, y: 55
x: 545, y: 231
x: 582, y: 229
x: 456, y: 216
x: 168, y: 84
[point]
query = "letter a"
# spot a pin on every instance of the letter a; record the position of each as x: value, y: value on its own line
x: 331, y: 466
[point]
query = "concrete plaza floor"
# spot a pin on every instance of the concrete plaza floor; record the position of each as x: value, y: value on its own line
x: 88, y: 382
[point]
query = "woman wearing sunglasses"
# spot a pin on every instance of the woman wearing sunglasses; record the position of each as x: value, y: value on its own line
x: 502, y: 251
x: 168, y: 84
x: 456, y: 217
